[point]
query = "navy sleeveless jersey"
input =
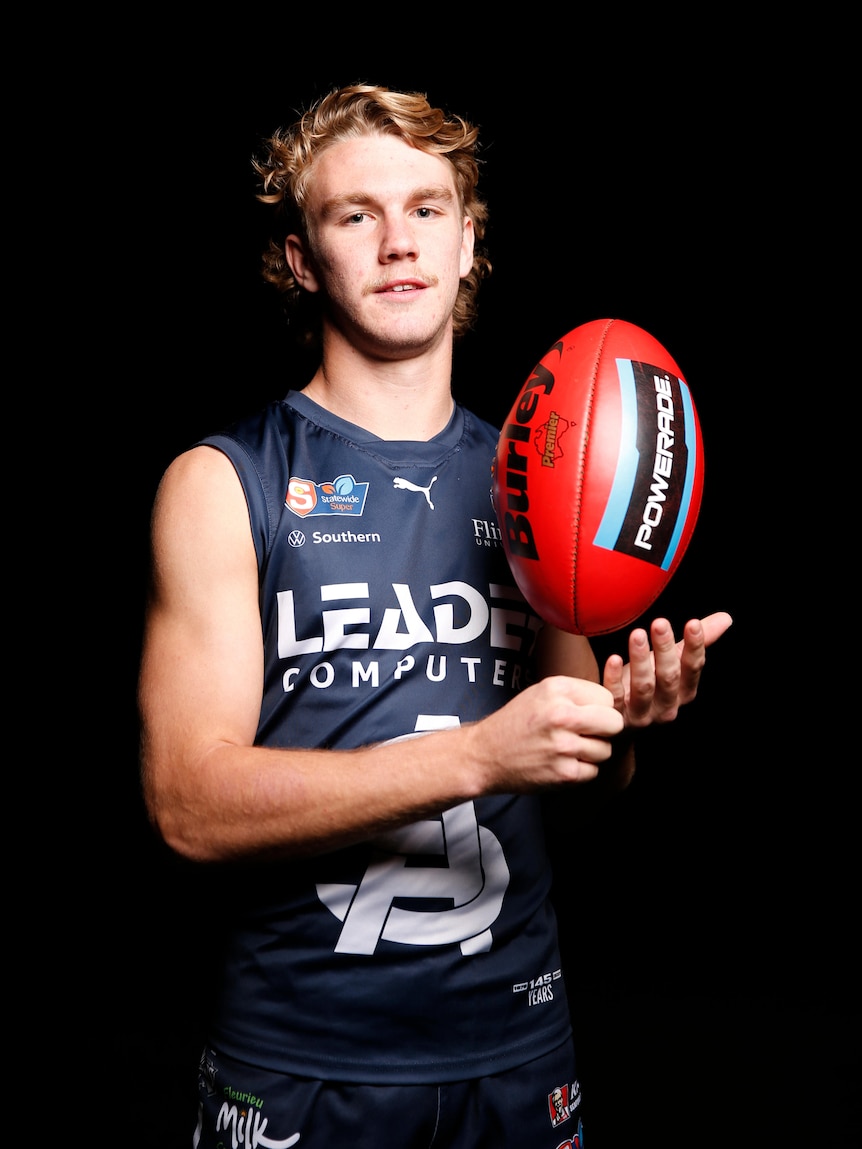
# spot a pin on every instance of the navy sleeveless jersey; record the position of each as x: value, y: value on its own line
x: 388, y: 609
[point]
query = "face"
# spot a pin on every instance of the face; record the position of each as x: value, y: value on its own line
x: 388, y: 245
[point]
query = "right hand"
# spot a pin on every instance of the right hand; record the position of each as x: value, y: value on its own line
x: 557, y: 730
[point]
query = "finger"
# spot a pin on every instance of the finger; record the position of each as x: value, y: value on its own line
x: 714, y: 626
x: 581, y: 691
x: 668, y: 669
x: 641, y: 677
x: 613, y: 680
x: 592, y: 720
x: 587, y: 748
x: 692, y: 657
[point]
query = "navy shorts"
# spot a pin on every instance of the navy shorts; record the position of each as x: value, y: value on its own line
x: 536, y: 1106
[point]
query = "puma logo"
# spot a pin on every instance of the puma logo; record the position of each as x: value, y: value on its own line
x: 406, y: 485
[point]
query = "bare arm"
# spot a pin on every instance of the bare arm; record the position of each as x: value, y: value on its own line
x: 212, y: 794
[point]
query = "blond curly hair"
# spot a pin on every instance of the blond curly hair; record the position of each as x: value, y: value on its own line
x: 347, y: 113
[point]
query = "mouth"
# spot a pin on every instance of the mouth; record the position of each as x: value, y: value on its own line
x: 401, y: 286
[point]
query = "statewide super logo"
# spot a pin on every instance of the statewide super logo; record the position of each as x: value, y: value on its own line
x: 342, y: 496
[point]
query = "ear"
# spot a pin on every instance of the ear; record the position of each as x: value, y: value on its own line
x: 300, y: 263
x: 468, y: 239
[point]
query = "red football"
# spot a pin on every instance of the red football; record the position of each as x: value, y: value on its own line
x: 598, y: 477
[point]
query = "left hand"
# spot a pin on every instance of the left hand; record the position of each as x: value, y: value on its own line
x: 652, y: 686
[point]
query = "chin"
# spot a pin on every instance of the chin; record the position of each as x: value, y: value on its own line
x: 413, y: 336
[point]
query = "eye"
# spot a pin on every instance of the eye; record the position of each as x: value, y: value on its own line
x: 424, y: 212
x: 356, y: 217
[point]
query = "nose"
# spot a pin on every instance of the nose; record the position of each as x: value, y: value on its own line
x: 398, y: 240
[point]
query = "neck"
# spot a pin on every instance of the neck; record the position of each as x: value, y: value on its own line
x: 391, y: 398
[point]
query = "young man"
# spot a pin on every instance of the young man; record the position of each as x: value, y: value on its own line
x: 345, y: 700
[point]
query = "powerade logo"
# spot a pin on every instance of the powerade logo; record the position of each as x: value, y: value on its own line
x: 342, y: 496
x: 654, y: 480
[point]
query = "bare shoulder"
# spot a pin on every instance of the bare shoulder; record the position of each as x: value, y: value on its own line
x: 201, y: 474
x: 199, y: 489
x: 200, y: 516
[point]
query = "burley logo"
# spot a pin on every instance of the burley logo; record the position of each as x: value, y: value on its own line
x: 342, y: 496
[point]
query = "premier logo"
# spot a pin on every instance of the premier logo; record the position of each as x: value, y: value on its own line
x: 547, y: 438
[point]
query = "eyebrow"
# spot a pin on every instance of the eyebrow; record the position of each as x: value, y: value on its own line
x: 438, y: 193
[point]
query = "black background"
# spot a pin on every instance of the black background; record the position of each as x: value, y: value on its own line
x: 707, y: 913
